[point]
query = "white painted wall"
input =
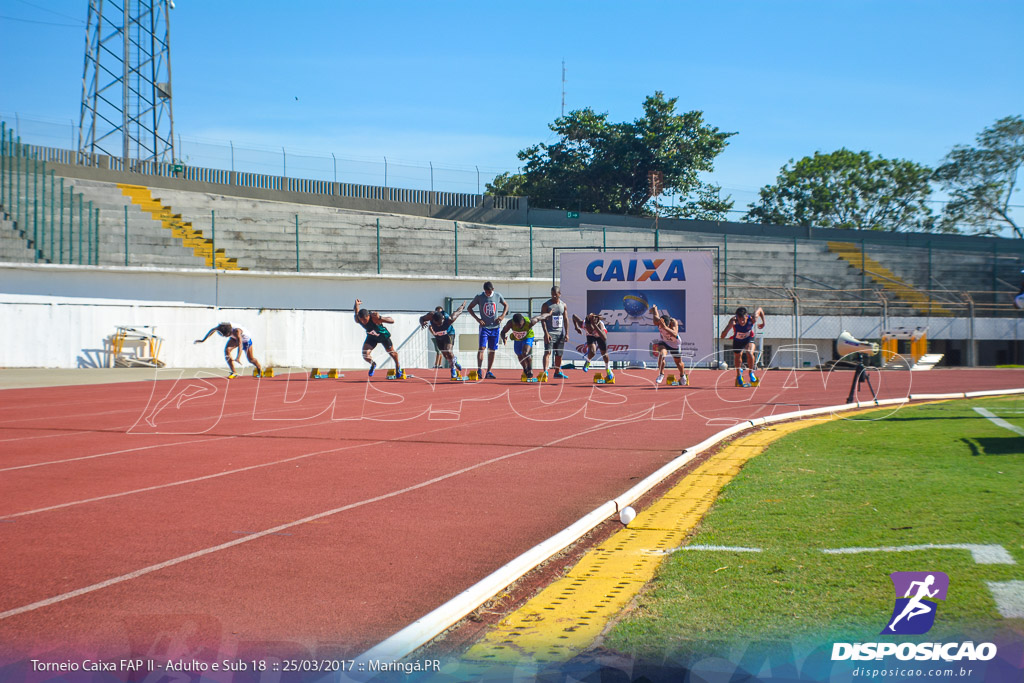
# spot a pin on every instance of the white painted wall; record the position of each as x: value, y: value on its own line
x: 61, y: 316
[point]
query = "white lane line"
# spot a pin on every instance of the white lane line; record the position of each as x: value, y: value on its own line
x: 282, y: 527
x: 998, y: 421
x: 1009, y: 596
x: 724, y: 548
x: 982, y: 554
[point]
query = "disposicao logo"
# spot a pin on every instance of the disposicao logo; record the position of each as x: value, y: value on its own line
x: 914, y: 614
x: 916, y: 593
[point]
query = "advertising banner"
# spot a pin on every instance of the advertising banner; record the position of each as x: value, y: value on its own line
x: 625, y: 287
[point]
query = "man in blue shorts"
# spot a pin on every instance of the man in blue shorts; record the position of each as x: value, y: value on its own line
x: 490, y: 322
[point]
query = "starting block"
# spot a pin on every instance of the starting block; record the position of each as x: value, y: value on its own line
x: 392, y: 374
x: 531, y: 380
x: 543, y: 377
x: 267, y: 372
x: 473, y: 376
x: 673, y: 382
x: 458, y: 378
x: 601, y: 378
x: 318, y: 373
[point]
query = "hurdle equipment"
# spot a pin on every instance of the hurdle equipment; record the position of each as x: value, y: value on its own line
x: 603, y: 378
x: 393, y: 374
x: 473, y: 376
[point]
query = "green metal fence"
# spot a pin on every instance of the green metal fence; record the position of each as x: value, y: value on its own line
x: 56, y: 223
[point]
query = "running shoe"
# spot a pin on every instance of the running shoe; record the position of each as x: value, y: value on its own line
x: 455, y: 373
x: 373, y: 366
x: 490, y: 375
x: 457, y: 366
x: 586, y: 366
x: 561, y: 375
x: 660, y: 378
x: 232, y: 376
x: 752, y: 378
x: 740, y: 382
x: 529, y: 375
x: 686, y: 380
x: 610, y: 376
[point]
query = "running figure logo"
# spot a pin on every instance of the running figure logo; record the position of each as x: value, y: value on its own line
x: 916, y: 592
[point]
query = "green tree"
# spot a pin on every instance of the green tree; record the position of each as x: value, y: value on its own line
x: 850, y: 190
x: 599, y: 166
x: 981, y: 180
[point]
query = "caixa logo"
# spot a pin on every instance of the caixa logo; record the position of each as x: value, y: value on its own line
x: 636, y: 270
x: 913, y: 613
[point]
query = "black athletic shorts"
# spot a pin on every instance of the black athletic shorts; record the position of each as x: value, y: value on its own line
x: 373, y: 340
x: 602, y: 343
x: 443, y: 343
x: 675, y: 353
x: 739, y: 345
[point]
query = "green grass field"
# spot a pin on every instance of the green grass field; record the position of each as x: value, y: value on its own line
x: 931, y: 474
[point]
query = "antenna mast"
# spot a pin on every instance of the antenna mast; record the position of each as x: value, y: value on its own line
x: 126, y: 81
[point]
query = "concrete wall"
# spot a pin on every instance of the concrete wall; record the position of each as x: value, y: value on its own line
x: 60, y: 316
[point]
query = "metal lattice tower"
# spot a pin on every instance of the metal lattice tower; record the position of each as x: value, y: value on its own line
x: 126, y: 81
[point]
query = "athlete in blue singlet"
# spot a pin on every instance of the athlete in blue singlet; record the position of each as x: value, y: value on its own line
x: 743, y: 341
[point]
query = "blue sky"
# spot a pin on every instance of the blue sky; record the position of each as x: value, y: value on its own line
x: 465, y: 85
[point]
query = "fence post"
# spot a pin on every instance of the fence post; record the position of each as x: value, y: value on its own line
x: 213, y: 238
x: 53, y: 203
x: 725, y: 271
x: 863, y: 271
x: 296, y: 243
x: 35, y: 199
x: 44, y: 212
x: 531, y: 249
x: 794, y: 262
x: 60, y: 251
x: 125, y: 233
x: 71, y: 224
x: 929, y: 278
x: 378, y: 246
x: 456, y: 245
x: 81, y: 206
x: 96, y: 240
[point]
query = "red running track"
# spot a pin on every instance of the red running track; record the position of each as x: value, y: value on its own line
x: 209, y: 519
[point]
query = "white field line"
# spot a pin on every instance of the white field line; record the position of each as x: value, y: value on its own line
x: 982, y: 554
x: 998, y: 421
x: 1009, y: 597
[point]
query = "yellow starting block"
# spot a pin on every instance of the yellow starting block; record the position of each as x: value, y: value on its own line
x: 542, y: 377
x: 267, y: 372
x: 458, y: 378
x: 318, y: 373
x: 473, y: 376
x: 601, y: 378
x: 673, y: 382
x: 394, y: 374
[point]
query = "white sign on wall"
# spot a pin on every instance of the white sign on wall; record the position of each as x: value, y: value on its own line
x: 625, y: 286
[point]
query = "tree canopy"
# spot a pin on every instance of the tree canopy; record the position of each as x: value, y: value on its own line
x: 982, y: 180
x: 599, y: 166
x: 850, y: 190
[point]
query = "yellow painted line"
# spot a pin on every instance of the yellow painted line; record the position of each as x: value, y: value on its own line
x: 566, y: 618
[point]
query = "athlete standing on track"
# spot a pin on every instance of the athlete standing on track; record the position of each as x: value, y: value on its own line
x: 490, y: 322
x: 439, y: 324
x: 743, y: 343
x: 597, y: 339
x: 556, y: 330
x: 376, y: 333
x: 669, y: 344
x: 238, y: 339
